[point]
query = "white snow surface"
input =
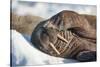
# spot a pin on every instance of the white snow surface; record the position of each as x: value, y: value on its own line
x: 24, y: 53
x: 47, y: 10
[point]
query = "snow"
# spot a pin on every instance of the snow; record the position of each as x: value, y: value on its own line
x: 24, y: 53
x: 46, y: 10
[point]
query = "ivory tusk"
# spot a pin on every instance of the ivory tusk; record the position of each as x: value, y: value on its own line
x: 51, y: 44
x: 62, y: 38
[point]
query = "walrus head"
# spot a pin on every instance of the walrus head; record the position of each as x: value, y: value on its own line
x: 60, y: 28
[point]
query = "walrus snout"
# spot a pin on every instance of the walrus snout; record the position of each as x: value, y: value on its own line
x: 48, y: 40
x: 47, y: 34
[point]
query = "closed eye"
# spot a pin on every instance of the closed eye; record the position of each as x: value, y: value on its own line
x: 78, y: 31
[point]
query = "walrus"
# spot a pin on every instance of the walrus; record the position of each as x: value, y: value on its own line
x: 66, y: 34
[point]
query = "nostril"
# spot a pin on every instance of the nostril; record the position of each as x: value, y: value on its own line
x: 44, y: 31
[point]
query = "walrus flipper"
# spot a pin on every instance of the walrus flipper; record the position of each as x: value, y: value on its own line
x: 86, y: 56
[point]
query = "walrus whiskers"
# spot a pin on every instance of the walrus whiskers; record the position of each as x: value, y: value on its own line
x: 52, y: 45
x: 67, y: 44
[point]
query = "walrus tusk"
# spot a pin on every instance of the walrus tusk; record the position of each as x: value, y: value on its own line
x: 51, y: 44
x: 62, y: 38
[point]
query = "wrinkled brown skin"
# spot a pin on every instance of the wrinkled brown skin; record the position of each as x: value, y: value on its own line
x: 84, y: 42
